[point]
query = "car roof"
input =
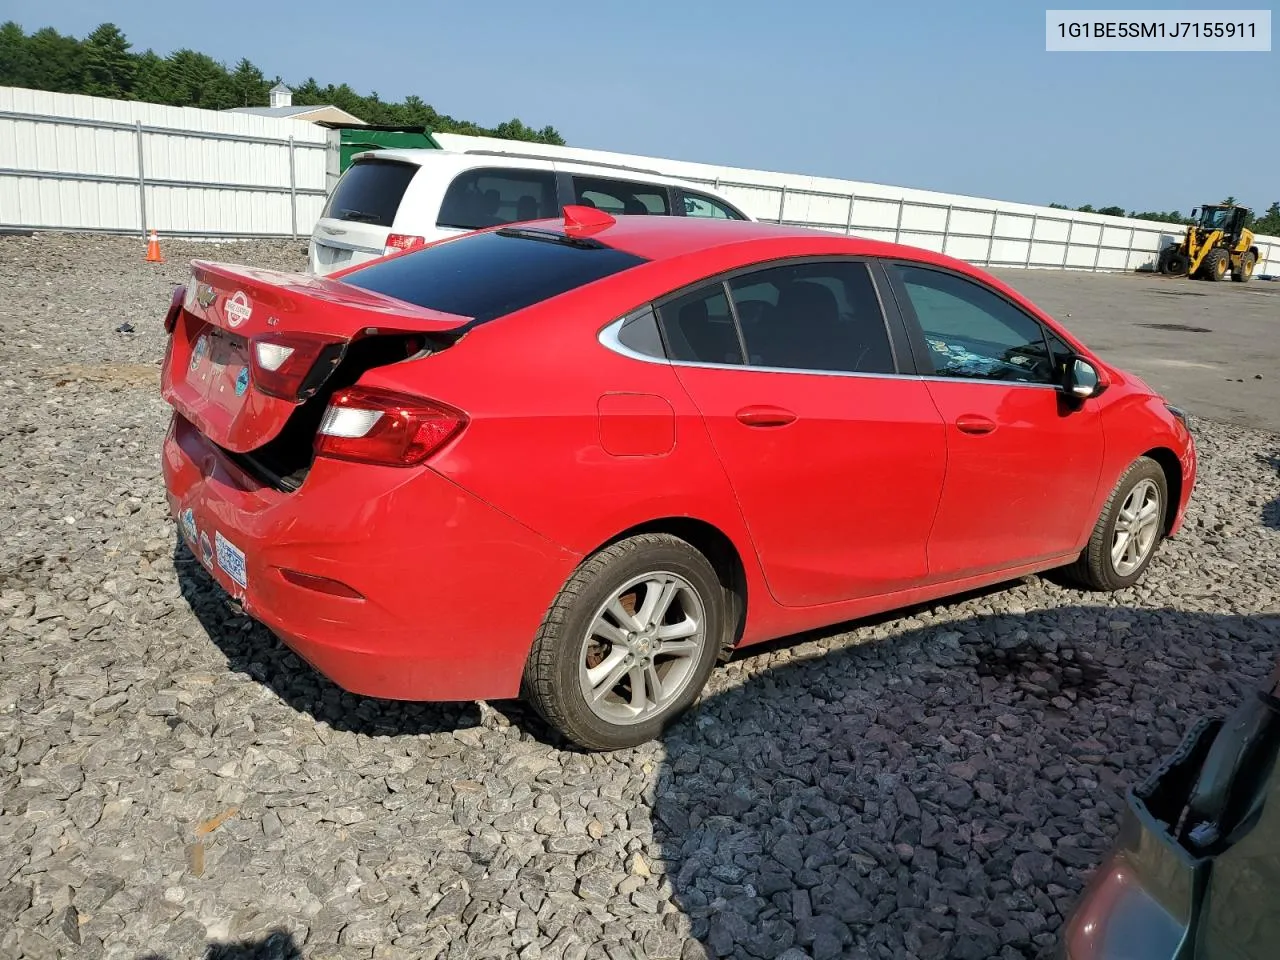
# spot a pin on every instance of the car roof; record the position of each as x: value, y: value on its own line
x: 661, y: 238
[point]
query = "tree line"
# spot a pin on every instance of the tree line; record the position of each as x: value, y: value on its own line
x: 104, y: 64
x: 1266, y: 223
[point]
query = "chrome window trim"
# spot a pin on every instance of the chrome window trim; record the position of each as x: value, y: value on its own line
x: 608, y: 338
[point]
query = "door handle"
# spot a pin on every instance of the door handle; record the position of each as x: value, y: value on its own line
x: 764, y: 416
x: 972, y: 423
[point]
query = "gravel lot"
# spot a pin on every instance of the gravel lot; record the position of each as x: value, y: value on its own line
x: 175, y: 784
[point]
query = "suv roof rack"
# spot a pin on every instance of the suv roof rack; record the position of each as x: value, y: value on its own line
x: 585, y: 163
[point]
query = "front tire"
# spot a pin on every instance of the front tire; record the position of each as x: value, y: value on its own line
x: 1244, y: 273
x: 1128, y: 532
x: 1215, y: 265
x: 628, y: 643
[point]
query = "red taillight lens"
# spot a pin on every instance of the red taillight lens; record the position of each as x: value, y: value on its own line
x: 282, y: 361
x: 378, y: 426
x: 175, y: 308
x: 402, y: 241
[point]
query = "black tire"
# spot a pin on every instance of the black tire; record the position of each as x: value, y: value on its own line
x: 551, y: 679
x: 1174, y: 262
x: 1095, y: 569
x: 1245, y: 273
x: 1215, y: 265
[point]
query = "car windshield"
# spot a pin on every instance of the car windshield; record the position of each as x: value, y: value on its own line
x: 488, y: 275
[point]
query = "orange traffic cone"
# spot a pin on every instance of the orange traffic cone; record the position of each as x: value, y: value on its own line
x: 153, y: 249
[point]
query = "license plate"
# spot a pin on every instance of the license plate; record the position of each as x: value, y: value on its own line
x: 333, y: 256
x: 231, y: 559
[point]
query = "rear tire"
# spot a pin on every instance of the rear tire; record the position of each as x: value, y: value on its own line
x: 1174, y: 262
x: 1215, y: 265
x: 1245, y: 273
x: 1128, y: 533
x: 645, y: 614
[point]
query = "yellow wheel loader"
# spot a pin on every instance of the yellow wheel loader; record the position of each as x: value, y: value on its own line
x: 1217, y: 241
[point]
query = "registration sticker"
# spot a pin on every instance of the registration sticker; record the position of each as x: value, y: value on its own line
x: 231, y: 559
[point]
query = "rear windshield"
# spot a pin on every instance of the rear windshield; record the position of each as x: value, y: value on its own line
x: 370, y: 192
x: 488, y: 275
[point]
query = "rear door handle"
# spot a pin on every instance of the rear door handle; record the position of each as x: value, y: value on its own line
x: 765, y: 416
x: 972, y: 423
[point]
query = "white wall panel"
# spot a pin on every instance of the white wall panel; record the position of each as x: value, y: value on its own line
x: 71, y: 163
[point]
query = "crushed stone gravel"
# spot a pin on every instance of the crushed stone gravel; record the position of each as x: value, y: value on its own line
x: 174, y: 782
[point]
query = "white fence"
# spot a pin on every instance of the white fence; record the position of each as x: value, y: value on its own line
x: 111, y: 166
x: 988, y: 232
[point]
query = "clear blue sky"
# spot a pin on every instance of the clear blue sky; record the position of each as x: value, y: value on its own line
x: 947, y: 96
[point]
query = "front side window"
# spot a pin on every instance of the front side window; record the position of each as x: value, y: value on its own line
x: 621, y: 197
x: 700, y: 205
x: 821, y: 316
x: 490, y: 197
x: 972, y: 332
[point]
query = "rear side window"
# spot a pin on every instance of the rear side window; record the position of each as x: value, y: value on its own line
x: 700, y: 327
x: 489, y: 275
x: 621, y: 197
x: 489, y: 197
x: 370, y: 192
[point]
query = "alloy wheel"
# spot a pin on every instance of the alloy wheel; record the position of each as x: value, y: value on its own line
x: 642, y: 648
x: 1136, y: 529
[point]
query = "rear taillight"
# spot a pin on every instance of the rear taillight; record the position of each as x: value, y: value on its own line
x: 175, y: 308
x: 402, y: 241
x: 282, y: 361
x: 378, y: 426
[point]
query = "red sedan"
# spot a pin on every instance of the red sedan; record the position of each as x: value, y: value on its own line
x: 578, y: 460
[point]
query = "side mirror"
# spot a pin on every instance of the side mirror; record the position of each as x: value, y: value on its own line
x: 1081, y: 380
x: 1194, y: 212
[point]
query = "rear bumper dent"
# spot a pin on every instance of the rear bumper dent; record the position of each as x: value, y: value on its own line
x: 451, y: 590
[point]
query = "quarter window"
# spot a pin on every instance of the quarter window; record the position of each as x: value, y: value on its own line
x: 621, y: 197
x: 640, y: 333
x: 973, y: 333
x: 490, y: 197
x: 813, y: 316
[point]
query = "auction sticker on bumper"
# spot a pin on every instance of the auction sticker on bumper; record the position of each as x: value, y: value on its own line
x: 231, y: 559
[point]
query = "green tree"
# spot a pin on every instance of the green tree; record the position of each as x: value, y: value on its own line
x: 1111, y: 211
x: 104, y: 65
x: 1269, y: 223
x: 109, y: 67
x: 57, y: 62
x: 17, y: 63
x: 248, y: 85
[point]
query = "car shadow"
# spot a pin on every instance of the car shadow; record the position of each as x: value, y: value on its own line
x: 943, y: 792
x: 937, y: 790
x: 253, y: 650
x: 276, y: 945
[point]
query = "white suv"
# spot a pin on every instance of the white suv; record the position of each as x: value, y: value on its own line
x: 399, y: 199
